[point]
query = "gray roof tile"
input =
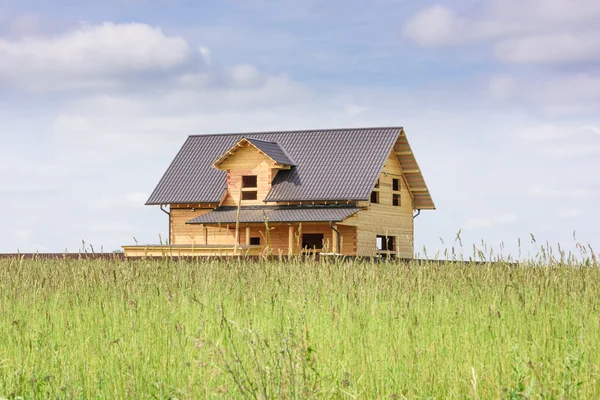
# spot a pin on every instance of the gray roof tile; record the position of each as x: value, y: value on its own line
x: 227, y: 215
x: 334, y: 164
x: 272, y: 150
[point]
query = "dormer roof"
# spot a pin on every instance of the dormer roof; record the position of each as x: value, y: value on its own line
x: 270, y: 149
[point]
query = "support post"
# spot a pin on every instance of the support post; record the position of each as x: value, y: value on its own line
x: 247, y: 235
x: 335, y: 242
x: 291, y: 240
x: 336, y: 236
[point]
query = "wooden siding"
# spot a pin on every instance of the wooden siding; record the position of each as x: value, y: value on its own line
x: 179, y: 232
x: 385, y: 218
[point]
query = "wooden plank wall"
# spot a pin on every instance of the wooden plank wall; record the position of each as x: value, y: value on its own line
x: 247, y: 161
x: 179, y: 232
x: 385, y: 218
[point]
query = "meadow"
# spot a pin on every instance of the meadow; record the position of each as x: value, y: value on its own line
x: 299, y: 329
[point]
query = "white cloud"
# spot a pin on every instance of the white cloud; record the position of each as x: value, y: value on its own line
x: 109, y: 227
x: 355, y: 109
x: 137, y: 197
x: 545, y: 133
x: 561, y: 141
x: 572, y: 213
x: 555, y: 93
x: 91, y: 55
x: 490, y: 222
x: 22, y: 233
x: 530, y: 31
x: 571, y: 150
x: 434, y: 26
x: 245, y: 75
x: 556, y: 48
x: 502, y: 87
x: 545, y: 191
x: 592, y: 129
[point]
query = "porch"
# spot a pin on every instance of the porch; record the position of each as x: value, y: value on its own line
x: 253, y: 239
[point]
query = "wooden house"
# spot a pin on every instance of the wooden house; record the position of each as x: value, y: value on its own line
x: 342, y: 191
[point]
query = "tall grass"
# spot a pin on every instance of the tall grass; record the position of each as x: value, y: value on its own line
x: 294, y: 329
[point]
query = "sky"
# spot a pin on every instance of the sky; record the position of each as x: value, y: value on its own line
x: 500, y: 100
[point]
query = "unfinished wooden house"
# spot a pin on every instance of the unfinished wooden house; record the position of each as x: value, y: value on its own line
x: 343, y: 191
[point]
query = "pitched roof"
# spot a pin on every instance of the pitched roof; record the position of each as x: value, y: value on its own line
x: 227, y: 215
x: 330, y: 164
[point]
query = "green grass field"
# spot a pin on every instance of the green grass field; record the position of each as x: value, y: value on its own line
x: 271, y: 329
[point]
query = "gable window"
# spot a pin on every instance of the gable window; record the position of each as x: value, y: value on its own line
x: 249, y: 195
x: 255, y: 241
x: 249, y: 186
x: 249, y: 181
x: 396, y: 199
x: 375, y: 193
x: 385, y: 243
x: 374, y: 197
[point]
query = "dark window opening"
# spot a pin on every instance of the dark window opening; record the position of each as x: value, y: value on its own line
x: 385, y: 243
x: 374, y: 197
x: 396, y: 200
x: 396, y: 185
x: 249, y: 195
x: 254, y: 241
x: 312, y: 241
x: 249, y: 181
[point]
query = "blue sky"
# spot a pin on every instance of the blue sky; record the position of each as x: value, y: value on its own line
x: 499, y: 100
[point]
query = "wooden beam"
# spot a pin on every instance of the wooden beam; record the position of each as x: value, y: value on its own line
x: 418, y: 189
x: 291, y: 240
x: 334, y: 242
x: 247, y: 235
x: 281, y: 166
x: 404, y: 153
x: 412, y: 171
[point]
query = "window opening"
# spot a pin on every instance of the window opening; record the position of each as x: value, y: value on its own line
x: 385, y: 243
x: 312, y: 241
x: 249, y: 195
x: 249, y: 181
x: 374, y: 197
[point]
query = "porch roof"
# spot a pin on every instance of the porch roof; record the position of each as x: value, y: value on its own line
x: 227, y: 215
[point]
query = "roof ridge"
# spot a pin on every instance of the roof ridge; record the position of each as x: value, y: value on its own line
x: 260, y: 140
x: 294, y: 131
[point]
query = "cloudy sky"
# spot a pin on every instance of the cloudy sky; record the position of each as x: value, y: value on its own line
x: 500, y: 100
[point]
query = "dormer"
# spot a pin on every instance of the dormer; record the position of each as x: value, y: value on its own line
x: 251, y: 165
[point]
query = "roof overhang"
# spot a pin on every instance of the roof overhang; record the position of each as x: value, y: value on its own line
x: 414, y: 178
